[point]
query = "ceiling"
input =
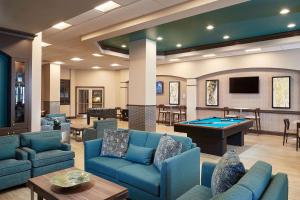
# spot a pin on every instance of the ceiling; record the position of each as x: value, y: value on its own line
x: 33, y: 16
x: 251, y: 19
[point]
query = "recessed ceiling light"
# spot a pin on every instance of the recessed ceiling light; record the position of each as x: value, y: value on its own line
x: 45, y: 44
x: 210, y: 27
x: 107, y: 6
x: 209, y: 55
x: 226, y: 37
x: 159, y: 38
x: 61, y: 25
x: 174, y: 59
x: 97, y: 55
x: 58, y: 62
x: 253, y: 50
x: 123, y: 46
x: 96, y: 67
x: 115, y: 65
x: 178, y: 45
x: 76, y: 59
x: 291, y: 25
x: 284, y: 11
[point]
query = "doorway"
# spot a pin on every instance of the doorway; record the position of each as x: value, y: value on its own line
x: 88, y: 97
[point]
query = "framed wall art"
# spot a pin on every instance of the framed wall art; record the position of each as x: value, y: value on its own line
x: 159, y: 87
x: 281, y: 92
x: 174, y: 92
x: 212, y: 92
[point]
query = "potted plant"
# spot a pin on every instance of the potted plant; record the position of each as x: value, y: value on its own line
x: 56, y: 124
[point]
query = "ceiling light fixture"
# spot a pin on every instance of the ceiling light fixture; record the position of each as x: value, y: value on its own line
x: 159, y: 38
x: 61, y: 25
x: 178, y: 45
x: 115, y: 65
x: 284, y: 11
x: 226, y: 37
x: 253, y: 50
x: 107, y: 6
x: 209, y: 55
x: 96, y: 67
x: 58, y: 62
x: 97, y: 55
x: 123, y: 46
x: 45, y: 44
x: 174, y: 59
x: 291, y: 25
x: 76, y: 59
x: 210, y: 27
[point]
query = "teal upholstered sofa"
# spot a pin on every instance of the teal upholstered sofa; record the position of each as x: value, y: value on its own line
x: 257, y: 184
x: 46, y: 161
x: 47, y: 122
x: 14, y: 166
x: 98, y: 129
x: 177, y: 176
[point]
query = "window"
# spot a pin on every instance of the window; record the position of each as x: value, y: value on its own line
x: 64, y: 92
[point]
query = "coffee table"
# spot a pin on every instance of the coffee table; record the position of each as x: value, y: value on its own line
x: 97, y: 189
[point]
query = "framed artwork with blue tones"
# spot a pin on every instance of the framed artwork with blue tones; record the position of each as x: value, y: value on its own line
x: 159, y: 87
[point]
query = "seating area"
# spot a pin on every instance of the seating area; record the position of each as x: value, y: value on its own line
x: 149, y: 100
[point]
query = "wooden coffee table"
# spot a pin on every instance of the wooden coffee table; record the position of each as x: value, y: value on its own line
x: 97, y: 189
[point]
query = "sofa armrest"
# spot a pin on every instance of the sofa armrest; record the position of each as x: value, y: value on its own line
x: 31, y: 153
x: 277, y: 188
x: 46, y: 127
x: 180, y: 173
x: 65, y: 147
x: 89, y: 134
x: 21, y: 154
x: 206, y: 173
x: 92, y: 148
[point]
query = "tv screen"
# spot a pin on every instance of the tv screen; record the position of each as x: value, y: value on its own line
x: 244, y: 85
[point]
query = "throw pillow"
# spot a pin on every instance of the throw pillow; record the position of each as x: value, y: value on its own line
x: 167, y: 148
x: 139, y: 154
x: 115, y: 143
x: 45, y: 144
x: 228, y: 172
x: 7, y: 151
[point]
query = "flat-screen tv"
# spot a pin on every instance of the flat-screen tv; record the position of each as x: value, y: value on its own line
x: 244, y: 85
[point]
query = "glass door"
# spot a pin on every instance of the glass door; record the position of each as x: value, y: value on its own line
x: 89, y: 97
x: 82, y: 101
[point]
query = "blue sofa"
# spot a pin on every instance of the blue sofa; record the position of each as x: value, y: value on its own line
x: 14, y: 166
x: 177, y: 176
x: 257, y: 184
x: 47, y: 122
x: 44, y: 162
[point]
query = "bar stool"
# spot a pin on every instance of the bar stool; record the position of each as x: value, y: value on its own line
x: 227, y: 115
x: 181, y: 114
x: 290, y: 132
x: 256, y: 118
x: 162, y: 112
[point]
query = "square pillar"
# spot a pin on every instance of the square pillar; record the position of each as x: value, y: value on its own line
x: 142, y: 91
x: 191, y: 99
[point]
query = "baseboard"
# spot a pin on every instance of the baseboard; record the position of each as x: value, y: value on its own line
x: 265, y: 132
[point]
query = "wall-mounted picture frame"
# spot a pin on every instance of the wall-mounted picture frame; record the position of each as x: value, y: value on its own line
x: 159, y: 87
x: 281, y: 92
x: 174, y: 92
x: 212, y: 92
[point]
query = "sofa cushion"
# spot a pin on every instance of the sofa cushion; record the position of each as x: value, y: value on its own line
x: 198, y: 192
x: 138, y: 138
x: 26, y: 137
x: 228, y: 172
x: 52, y: 157
x: 257, y: 179
x: 115, y: 143
x: 185, y: 141
x: 153, y: 140
x: 236, y: 192
x: 45, y: 144
x: 13, y: 166
x: 144, y: 177
x: 7, y: 151
x: 106, y: 165
x: 167, y: 148
x: 139, y: 154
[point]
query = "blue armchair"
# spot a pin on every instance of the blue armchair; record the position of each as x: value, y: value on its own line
x: 47, y: 122
x: 257, y: 184
x: 45, y: 152
x: 177, y: 176
x: 14, y: 166
x: 98, y: 129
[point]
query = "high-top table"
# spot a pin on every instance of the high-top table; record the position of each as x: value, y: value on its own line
x: 97, y: 189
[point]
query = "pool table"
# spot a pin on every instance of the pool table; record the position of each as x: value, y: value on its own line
x: 214, y: 133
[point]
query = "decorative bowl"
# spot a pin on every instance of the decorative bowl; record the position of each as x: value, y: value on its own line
x: 70, y: 179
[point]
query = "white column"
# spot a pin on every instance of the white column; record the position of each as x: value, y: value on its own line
x: 142, y: 78
x: 36, y: 83
x: 191, y: 99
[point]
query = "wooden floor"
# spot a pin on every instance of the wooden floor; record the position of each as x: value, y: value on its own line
x: 264, y: 147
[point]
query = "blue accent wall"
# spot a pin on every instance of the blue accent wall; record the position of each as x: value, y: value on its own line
x: 4, y: 84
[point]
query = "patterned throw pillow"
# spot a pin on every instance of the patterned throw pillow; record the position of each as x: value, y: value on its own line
x: 166, y: 148
x: 115, y: 143
x: 228, y: 172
